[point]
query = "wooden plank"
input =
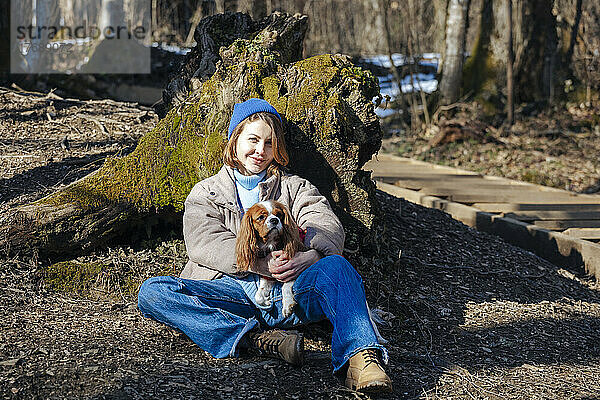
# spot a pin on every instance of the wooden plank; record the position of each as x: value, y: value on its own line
x: 412, y: 165
x: 440, y: 184
x: 524, y: 197
x: 418, y: 180
x: 446, y: 180
x: 492, y: 190
x: 560, y: 249
x: 561, y: 225
x: 518, y: 207
x: 375, y: 164
x: 498, y: 194
x: 449, y: 183
x: 553, y: 215
x: 420, y: 174
x: 394, y: 170
x: 382, y: 157
x: 389, y: 159
x: 583, y: 233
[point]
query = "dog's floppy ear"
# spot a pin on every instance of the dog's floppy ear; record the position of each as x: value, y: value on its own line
x: 291, y: 236
x: 246, y: 245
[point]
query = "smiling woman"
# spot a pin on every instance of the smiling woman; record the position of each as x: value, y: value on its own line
x: 254, y: 147
x: 256, y: 141
x: 214, y: 303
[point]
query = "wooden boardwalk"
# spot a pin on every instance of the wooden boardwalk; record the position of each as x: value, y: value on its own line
x: 558, y: 225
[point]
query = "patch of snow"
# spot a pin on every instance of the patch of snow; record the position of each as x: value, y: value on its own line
x: 381, y: 60
x: 382, y: 113
x: 422, y: 82
x: 172, y: 48
x: 384, y: 61
x: 425, y: 82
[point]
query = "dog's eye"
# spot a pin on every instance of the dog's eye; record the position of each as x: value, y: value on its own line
x: 279, y: 214
x: 260, y: 218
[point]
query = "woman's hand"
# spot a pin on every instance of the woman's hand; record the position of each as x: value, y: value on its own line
x: 286, y: 269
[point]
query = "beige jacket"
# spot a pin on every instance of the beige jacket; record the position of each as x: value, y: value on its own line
x: 212, y: 219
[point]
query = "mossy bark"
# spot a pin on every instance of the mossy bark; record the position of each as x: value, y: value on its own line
x: 331, y: 132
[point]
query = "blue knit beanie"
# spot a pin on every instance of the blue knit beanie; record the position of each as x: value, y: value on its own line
x: 241, y: 111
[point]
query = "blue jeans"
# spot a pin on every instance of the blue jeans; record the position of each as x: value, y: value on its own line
x: 217, y: 314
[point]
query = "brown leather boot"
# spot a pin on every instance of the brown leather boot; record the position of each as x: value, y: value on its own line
x: 365, y: 373
x: 286, y: 345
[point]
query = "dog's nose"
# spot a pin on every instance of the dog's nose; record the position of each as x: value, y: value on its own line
x: 272, y: 221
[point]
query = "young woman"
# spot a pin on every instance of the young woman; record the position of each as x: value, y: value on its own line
x: 214, y: 305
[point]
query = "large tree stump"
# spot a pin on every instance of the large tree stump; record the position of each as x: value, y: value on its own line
x: 222, y: 30
x: 331, y: 131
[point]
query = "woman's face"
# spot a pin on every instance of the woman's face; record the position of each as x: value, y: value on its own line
x: 254, y: 148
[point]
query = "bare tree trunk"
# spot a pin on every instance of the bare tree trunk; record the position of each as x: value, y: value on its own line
x: 45, y: 13
x: 574, y: 31
x: 194, y: 23
x: 154, y: 27
x: 204, y: 8
x: 220, y: 6
x: 550, y: 45
x: 259, y: 9
x: 416, y: 23
x: 439, y: 38
x: 456, y: 28
x: 585, y: 62
x: 244, y: 6
x: 5, y: 32
x: 393, y: 68
x: 425, y: 107
x: 388, y: 39
x: 509, y: 66
x: 112, y: 13
x: 68, y: 12
x: 415, y: 121
x: 534, y: 46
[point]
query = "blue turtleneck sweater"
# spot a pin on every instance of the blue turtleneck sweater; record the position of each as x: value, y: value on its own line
x: 247, y: 188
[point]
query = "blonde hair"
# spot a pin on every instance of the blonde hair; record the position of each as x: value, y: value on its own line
x: 280, y: 155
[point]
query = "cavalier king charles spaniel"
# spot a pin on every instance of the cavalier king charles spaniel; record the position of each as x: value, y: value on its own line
x: 268, y: 226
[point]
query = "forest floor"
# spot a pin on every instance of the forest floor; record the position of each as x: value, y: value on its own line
x: 467, y: 315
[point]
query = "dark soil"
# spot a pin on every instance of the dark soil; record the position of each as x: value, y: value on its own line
x: 467, y: 315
